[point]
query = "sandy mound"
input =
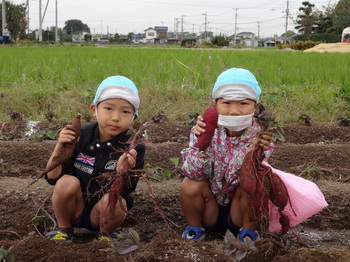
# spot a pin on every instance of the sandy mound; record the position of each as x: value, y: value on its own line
x: 334, y: 47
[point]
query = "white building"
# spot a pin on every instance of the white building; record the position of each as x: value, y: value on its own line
x: 150, y: 35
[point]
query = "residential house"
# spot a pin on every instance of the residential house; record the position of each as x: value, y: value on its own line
x: 150, y: 35
x: 137, y: 38
x: 273, y: 41
x: 78, y: 37
x: 244, y: 39
x: 156, y: 35
x: 162, y: 32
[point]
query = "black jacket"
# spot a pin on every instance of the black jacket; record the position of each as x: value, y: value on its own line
x: 92, y: 158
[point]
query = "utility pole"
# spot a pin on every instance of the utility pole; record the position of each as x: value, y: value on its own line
x: 234, y: 41
x: 258, y: 32
x: 56, y: 29
x: 40, y: 33
x: 287, y: 14
x: 176, y: 26
x: 27, y: 15
x: 182, y: 26
x: 205, y: 25
x: 41, y: 19
x: 3, y: 7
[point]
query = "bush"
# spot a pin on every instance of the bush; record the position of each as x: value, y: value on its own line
x: 87, y: 37
x: 220, y: 41
x: 300, y: 45
x: 188, y: 42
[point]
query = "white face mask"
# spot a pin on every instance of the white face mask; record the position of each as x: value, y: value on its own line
x: 236, y: 123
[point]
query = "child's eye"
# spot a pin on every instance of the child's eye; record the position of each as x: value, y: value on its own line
x: 126, y: 112
x: 108, y: 108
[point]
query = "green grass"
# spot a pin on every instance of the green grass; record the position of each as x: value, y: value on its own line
x: 37, y: 79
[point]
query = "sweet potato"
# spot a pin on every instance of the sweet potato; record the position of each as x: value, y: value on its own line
x: 210, y: 119
x: 122, y: 178
x: 278, y: 191
x: 65, y: 154
x: 261, y: 184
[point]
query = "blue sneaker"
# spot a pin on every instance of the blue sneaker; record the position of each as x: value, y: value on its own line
x: 109, y: 237
x: 61, y: 235
x: 245, y: 232
x: 194, y: 233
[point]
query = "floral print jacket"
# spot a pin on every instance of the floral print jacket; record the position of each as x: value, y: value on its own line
x: 220, y: 162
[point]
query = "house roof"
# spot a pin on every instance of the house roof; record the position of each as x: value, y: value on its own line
x: 150, y: 28
x: 245, y: 33
x: 136, y: 36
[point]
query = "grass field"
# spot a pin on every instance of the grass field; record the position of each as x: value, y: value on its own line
x: 37, y: 80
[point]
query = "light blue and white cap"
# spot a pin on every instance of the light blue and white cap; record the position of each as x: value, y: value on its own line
x: 118, y: 87
x: 236, y: 84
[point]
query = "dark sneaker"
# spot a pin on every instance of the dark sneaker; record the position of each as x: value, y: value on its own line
x: 110, y: 237
x: 194, y: 233
x: 244, y: 232
x: 61, y: 235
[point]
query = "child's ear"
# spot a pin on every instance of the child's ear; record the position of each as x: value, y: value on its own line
x: 213, y: 102
x: 93, y: 109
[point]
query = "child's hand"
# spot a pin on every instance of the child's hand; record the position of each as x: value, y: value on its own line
x: 264, y: 140
x: 67, y: 135
x: 127, y: 161
x: 199, y: 127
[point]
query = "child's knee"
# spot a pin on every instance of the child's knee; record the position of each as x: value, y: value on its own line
x: 239, y: 194
x: 67, y: 184
x: 194, y: 187
x: 118, y: 208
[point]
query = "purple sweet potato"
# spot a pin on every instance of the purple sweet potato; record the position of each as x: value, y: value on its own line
x: 65, y: 154
x: 210, y: 119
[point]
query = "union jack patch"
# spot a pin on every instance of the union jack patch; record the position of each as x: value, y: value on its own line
x: 85, y: 159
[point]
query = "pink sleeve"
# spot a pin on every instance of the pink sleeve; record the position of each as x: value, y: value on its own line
x: 196, y: 165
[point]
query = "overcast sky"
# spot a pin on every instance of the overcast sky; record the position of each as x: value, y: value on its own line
x: 263, y: 17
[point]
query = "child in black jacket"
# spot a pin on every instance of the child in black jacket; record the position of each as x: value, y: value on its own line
x: 80, y: 197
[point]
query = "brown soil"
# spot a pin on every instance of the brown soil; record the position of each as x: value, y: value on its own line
x: 333, y: 47
x: 319, y: 152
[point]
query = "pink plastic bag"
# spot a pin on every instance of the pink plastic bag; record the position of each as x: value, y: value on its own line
x: 305, y: 198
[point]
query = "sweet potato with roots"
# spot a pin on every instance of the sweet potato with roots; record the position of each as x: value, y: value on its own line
x: 66, y: 152
x: 122, y: 179
x: 261, y: 184
x: 211, y: 120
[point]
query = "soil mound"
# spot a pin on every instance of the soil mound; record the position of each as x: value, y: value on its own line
x: 333, y: 47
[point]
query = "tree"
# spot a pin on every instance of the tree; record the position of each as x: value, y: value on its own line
x: 75, y: 25
x: 87, y: 38
x: 220, y: 41
x: 341, y: 15
x: 48, y: 35
x: 15, y: 19
x: 290, y: 33
x: 324, y: 22
x: 306, y: 19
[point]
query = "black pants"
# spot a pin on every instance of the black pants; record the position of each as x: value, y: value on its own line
x: 6, y: 38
